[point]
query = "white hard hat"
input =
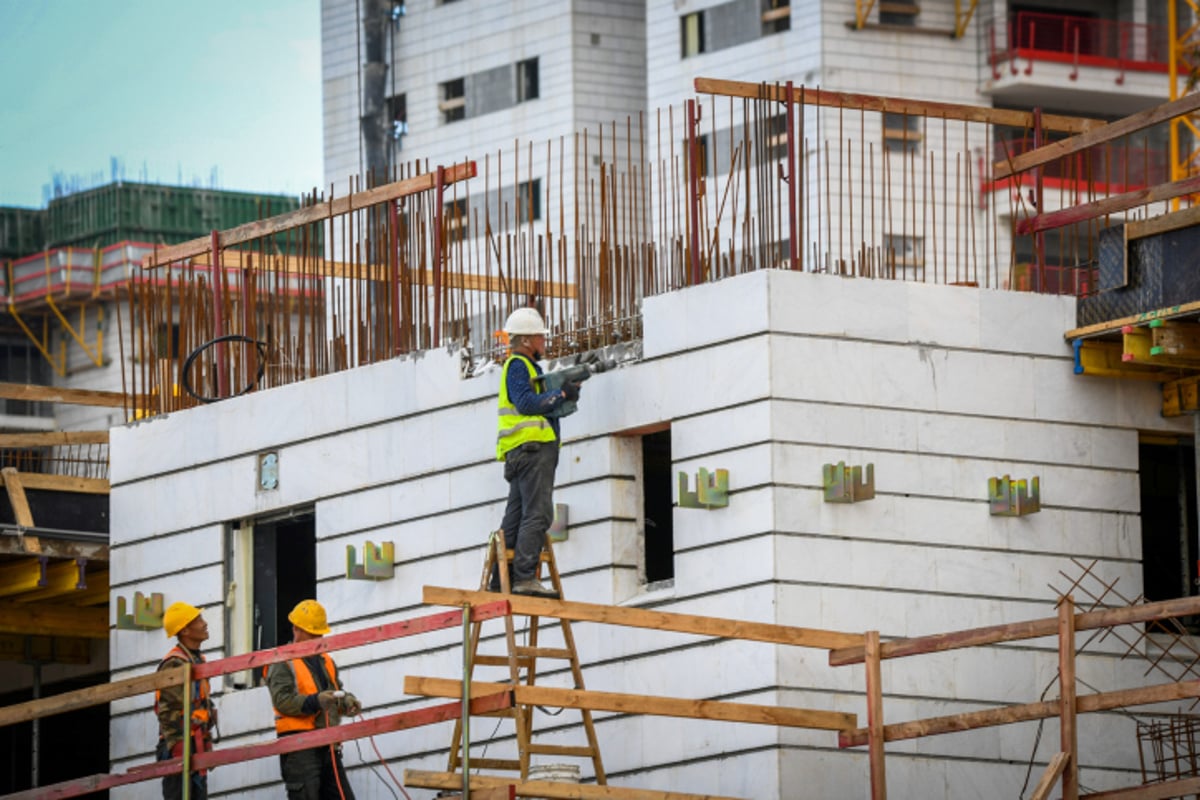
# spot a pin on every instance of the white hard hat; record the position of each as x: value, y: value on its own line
x: 525, y: 322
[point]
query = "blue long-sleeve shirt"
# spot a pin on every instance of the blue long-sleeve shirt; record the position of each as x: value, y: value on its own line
x: 529, y: 402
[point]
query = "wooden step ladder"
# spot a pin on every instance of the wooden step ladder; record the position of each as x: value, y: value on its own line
x: 525, y: 657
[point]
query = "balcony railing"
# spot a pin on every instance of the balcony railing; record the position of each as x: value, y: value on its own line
x: 1081, y: 41
x: 1113, y: 168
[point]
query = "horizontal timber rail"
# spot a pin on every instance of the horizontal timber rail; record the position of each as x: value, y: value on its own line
x: 310, y: 214
x: 657, y: 620
x: 639, y: 704
x: 1017, y: 631
x: 548, y: 789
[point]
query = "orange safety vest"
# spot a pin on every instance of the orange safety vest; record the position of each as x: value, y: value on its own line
x: 306, y: 684
x: 201, y: 704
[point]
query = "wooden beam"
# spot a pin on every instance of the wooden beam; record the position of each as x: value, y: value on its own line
x: 1115, y: 325
x: 1049, y: 777
x: 1067, y: 712
x: 341, y: 641
x: 1151, y: 791
x: 53, y: 438
x: 1171, y: 221
x: 27, y: 576
x: 54, y: 620
x: 54, y: 394
x: 638, y: 704
x: 65, y: 483
x: 1017, y: 631
x: 295, y: 265
x: 1004, y: 715
x: 875, y: 740
x: 549, y: 789
x: 1102, y: 359
x: 40, y: 545
x: 16, y: 497
x: 62, y: 585
x: 1113, y: 204
x: 1096, y: 136
x: 644, y: 618
x: 91, y: 696
x: 895, y: 105
x: 1181, y: 396
x: 322, y: 737
x: 306, y: 216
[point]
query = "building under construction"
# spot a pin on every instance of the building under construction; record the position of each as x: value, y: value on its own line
x: 891, y: 488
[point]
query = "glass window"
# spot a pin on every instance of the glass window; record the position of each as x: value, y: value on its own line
x: 692, y: 34
x: 453, y: 103
x: 527, y: 80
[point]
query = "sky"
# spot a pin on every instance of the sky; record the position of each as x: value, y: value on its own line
x: 223, y: 93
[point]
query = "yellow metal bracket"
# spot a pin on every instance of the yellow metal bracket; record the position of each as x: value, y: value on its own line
x: 963, y: 18
x: 862, y: 10
x: 96, y: 356
x: 42, y: 343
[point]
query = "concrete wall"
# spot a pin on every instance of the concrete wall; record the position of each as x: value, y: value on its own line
x: 768, y: 375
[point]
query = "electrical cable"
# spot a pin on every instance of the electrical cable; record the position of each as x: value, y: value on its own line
x: 229, y: 337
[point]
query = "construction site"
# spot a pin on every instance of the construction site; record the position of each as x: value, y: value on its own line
x: 886, y: 486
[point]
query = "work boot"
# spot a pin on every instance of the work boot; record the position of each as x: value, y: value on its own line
x: 534, y: 588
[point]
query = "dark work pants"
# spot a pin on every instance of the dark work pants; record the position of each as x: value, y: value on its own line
x: 529, y: 470
x: 309, y: 775
x: 172, y: 785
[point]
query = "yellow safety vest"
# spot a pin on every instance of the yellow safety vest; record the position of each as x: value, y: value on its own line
x: 514, y: 428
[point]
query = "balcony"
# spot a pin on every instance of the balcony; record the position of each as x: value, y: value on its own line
x: 1098, y: 171
x: 1075, y: 64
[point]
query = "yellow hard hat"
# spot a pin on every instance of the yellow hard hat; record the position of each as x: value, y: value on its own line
x: 309, y: 616
x: 177, y: 617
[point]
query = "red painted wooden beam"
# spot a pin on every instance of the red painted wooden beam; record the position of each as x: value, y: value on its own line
x: 286, y: 744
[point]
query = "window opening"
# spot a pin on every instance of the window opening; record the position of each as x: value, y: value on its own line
x: 270, y: 566
x: 658, y: 536
x: 453, y: 103
x: 398, y: 114
x: 457, y: 219
x: 529, y: 201
x: 776, y: 16
x: 1167, y: 478
x: 901, y: 132
x: 899, y: 14
x: 527, y: 80
x: 691, y: 34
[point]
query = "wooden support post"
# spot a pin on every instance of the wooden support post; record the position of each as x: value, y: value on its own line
x: 1049, y: 777
x: 875, y: 717
x: 1068, y: 734
x: 16, y: 497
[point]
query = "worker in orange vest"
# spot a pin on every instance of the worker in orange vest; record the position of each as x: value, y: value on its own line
x: 187, y: 625
x: 307, y: 695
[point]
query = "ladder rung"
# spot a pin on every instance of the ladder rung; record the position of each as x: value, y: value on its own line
x: 545, y: 652
x: 559, y: 750
x: 499, y: 661
x: 496, y: 763
x: 510, y: 555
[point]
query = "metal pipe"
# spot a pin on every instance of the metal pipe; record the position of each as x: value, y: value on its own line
x: 218, y: 321
x: 693, y: 195
x: 791, y: 178
x: 438, y: 229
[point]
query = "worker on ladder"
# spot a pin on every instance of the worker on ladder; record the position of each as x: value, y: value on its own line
x: 527, y: 442
x: 307, y: 695
x: 187, y: 625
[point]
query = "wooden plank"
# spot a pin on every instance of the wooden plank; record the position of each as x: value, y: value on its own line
x: 549, y: 789
x: 1017, y: 631
x: 1113, y: 204
x: 1181, y: 396
x: 55, y: 394
x: 1097, y: 136
x: 356, y: 638
x: 91, y: 696
x: 309, y: 215
x: 1171, y: 221
x: 971, y: 720
x: 16, y: 497
x: 1067, y: 726
x: 53, y: 438
x: 1049, y: 777
x: 1151, y: 791
x: 231, y: 755
x: 896, y: 105
x: 54, y: 620
x: 645, y: 618
x: 14, y: 545
x: 638, y: 704
x: 65, y: 483
x: 1114, y: 326
x: 294, y: 265
x: 875, y: 738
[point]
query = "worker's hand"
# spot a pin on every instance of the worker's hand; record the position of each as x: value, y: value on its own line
x: 328, y: 700
x: 349, y: 705
x: 570, y: 391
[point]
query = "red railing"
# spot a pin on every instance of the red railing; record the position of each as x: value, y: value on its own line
x: 1117, y: 168
x: 1086, y: 41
